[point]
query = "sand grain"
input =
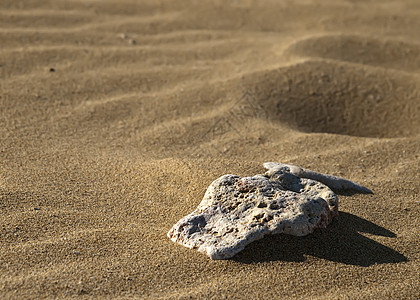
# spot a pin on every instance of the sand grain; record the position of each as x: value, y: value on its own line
x: 99, y: 158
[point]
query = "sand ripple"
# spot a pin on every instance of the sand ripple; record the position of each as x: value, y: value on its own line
x: 116, y: 115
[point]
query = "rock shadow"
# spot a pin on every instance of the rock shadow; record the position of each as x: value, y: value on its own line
x: 339, y: 242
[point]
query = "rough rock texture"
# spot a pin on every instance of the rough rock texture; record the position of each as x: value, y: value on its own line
x: 336, y: 183
x: 236, y: 211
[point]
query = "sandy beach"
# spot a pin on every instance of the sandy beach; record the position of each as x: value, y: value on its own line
x: 115, y: 116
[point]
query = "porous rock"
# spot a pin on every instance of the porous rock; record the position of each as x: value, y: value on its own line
x: 336, y: 183
x: 236, y: 211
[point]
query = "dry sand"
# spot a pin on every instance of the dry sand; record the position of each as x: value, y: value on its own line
x: 115, y: 116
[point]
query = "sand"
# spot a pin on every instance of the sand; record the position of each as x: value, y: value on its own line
x: 115, y: 116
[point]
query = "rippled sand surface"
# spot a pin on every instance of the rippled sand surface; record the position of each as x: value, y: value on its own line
x: 115, y: 116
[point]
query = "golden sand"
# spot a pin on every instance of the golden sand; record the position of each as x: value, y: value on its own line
x: 115, y: 116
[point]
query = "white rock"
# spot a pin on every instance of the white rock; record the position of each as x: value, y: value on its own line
x: 236, y: 211
x: 336, y: 183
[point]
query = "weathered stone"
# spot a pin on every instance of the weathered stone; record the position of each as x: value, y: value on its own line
x: 336, y: 183
x: 236, y: 211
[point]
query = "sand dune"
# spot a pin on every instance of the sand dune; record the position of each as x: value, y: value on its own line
x: 388, y: 54
x: 115, y: 116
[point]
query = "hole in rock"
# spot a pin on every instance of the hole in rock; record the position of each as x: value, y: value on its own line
x: 262, y: 205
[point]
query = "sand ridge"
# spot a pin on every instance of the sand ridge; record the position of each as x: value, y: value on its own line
x: 115, y: 116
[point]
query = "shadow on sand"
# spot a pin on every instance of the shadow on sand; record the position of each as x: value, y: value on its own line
x: 339, y: 242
